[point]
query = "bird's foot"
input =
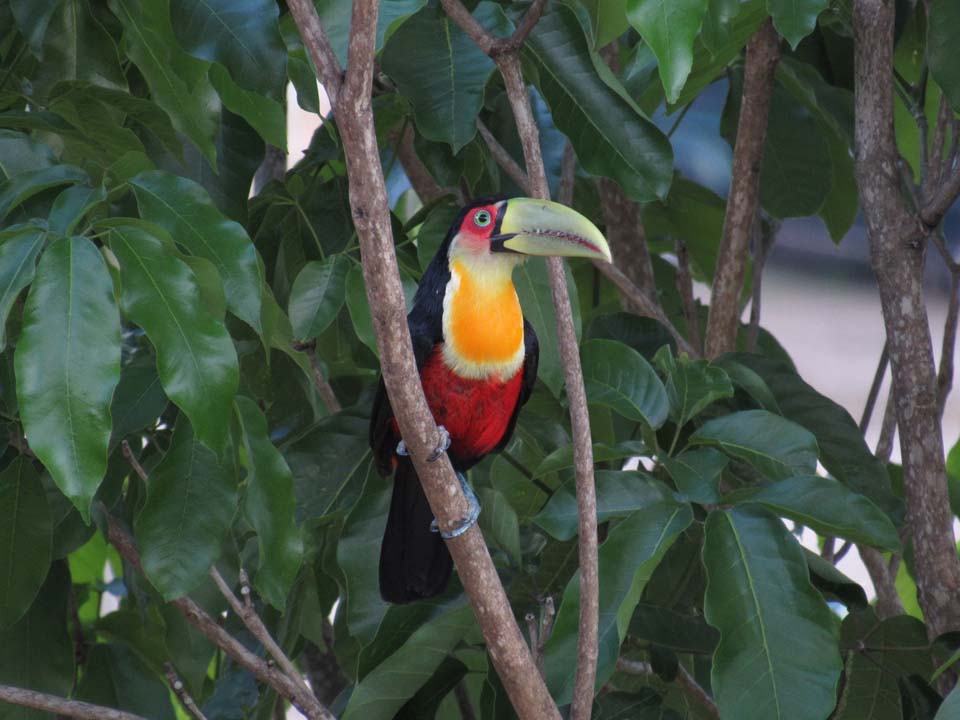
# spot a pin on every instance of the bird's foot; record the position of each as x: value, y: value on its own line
x: 442, y: 446
x: 473, y: 512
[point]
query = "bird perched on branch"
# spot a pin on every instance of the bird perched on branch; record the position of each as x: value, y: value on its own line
x: 477, y: 358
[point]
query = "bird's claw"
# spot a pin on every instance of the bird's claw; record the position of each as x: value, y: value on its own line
x: 473, y: 512
x: 442, y: 446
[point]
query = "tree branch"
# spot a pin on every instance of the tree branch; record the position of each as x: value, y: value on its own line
x: 306, y: 703
x: 324, y: 389
x: 945, y: 374
x: 626, y: 235
x: 371, y: 214
x: 61, y: 706
x: 897, y: 240
x: 503, y: 158
x: 248, y: 615
x: 685, y: 290
x: 422, y: 182
x: 508, y: 62
x: 176, y: 684
x: 684, y: 679
x: 763, y: 53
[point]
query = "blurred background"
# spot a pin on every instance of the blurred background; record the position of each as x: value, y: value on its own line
x: 819, y: 299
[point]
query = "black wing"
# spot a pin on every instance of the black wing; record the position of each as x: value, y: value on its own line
x: 426, y: 331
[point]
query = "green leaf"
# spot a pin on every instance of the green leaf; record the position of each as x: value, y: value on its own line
x: 442, y: 72
x: 795, y: 19
x: 619, y: 493
x: 19, y: 248
x: 716, y: 23
x: 691, y: 384
x: 697, y: 474
x: 172, y: 75
x: 115, y: 677
x: 358, y: 555
x: 833, y: 583
x: 778, y: 655
x: 433, y: 231
x: 196, y: 359
x: 20, y: 188
x: 139, y: 399
x: 608, y: 18
x: 776, y: 447
x: 669, y: 27
x: 269, y: 506
x: 32, y: 18
x: 265, y: 115
x: 385, y: 689
x: 843, y: 451
x: 356, y: 297
x: 184, y: 209
x: 241, y: 35
x: 618, y: 377
x: 68, y: 364
x: 674, y: 630
x: 77, y: 46
x: 828, y: 508
x: 37, y: 652
x: 943, y: 25
x: 562, y: 457
x: 330, y: 464
x: 19, y: 153
x: 335, y: 18
x: 191, y: 500
x: 532, y: 283
x: 317, y: 295
x: 72, y: 205
x: 627, y: 559
x: 26, y: 541
x: 950, y: 708
x: 609, y: 134
x: 499, y: 523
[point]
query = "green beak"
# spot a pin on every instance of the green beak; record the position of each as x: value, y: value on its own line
x: 541, y: 227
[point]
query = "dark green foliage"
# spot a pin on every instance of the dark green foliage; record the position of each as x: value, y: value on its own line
x: 148, y: 304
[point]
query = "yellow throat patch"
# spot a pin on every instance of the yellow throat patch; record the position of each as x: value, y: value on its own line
x: 482, y: 321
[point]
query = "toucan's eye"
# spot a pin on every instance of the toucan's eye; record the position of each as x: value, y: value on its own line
x: 481, y: 218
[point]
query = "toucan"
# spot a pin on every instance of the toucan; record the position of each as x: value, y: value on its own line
x: 477, y: 357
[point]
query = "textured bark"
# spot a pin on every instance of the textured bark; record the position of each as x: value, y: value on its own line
x: 763, y: 53
x: 371, y: 215
x: 420, y: 178
x: 628, y: 241
x: 505, y: 54
x: 273, y: 167
x: 61, y: 706
x: 897, y: 241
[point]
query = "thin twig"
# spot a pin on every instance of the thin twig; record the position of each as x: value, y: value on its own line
x: 422, y: 182
x: 828, y: 549
x: 306, y: 703
x: 643, y: 304
x: 685, y: 289
x: 945, y: 373
x: 61, y: 706
x: 321, y: 50
x: 842, y: 552
x: 132, y: 459
x: 462, y: 696
x: 503, y: 158
x: 762, y: 244
x: 875, y: 388
x: 690, y: 686
x: 248, y: 615
x: 530, y: 18
x: 684, y: 679
x: 182, y: 693
x: 885, y: 443
x: 324, y: 389
x: 888, y: 600
x: 568, y: 169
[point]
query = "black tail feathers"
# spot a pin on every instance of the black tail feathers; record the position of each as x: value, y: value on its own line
x: 414, y: 561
